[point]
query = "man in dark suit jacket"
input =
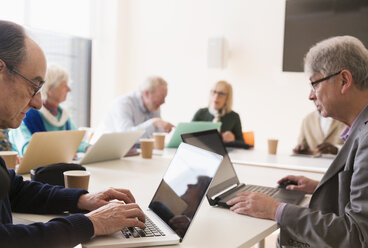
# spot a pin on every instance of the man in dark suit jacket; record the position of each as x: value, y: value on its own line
x: 337, y: 215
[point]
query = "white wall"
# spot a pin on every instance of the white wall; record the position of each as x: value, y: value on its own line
x: 169, y: 38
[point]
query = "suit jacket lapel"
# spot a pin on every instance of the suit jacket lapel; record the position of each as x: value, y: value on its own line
x: 339, y: 162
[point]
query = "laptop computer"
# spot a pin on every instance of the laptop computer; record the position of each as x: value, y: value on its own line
x: 190, y: 127
x: 226, y: 184
x: 50, y: 147
x: 111, y: 146
x: 177, y: 198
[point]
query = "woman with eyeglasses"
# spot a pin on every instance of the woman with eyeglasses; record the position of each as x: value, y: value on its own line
x: 220, y: 110
x: 52, y: 116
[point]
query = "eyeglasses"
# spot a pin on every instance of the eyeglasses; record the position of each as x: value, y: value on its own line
x: 219, y: 93
x: 314, y: 83
x: 37, y: 86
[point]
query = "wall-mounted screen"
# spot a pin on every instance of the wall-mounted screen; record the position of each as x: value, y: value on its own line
x: 310, y: 21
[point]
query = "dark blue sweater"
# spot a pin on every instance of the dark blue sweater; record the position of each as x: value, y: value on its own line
x: 38, y: 198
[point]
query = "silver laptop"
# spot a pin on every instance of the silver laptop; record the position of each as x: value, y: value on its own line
x: 111, y: 146
x: 50, y: 147
x: 177, y: 199
x: 226, y: 184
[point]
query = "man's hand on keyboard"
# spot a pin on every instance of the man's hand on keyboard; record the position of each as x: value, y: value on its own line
x: 254, y: 204
x: 92, y: 201
x: 115, y: 216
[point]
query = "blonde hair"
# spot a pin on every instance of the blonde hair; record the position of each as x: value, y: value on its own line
x: 54, y: 76
x: 229, y: 100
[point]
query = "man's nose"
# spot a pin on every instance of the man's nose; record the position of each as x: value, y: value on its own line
x: 312, y: 95
x: 36, y: 101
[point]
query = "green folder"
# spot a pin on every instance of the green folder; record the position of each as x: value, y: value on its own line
x: 190, y: 127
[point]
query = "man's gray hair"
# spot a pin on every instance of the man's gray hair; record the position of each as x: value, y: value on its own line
x: 338, y: 53
x: 151, y: 83
x: 12, y: 43
x: 54, y: 76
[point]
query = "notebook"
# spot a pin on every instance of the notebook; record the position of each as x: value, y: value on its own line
x: 178, y: 197
x: 226, y: 184
x: 189, y: 127
x: 111, y: 146
x: 50, y: 147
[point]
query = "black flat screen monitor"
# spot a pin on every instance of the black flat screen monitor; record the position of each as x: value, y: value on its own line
x: 310, y: 21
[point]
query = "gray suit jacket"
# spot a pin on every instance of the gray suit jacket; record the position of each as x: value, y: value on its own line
x: 338, y: 211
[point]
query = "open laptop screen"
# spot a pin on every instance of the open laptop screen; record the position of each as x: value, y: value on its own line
x: 211, y: 141
x: 183, y: 186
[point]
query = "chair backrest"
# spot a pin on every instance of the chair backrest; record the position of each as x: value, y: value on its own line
x: 249, y: 137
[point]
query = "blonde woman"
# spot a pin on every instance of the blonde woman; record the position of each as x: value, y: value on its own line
x: 220, y: 110
x: 51, y: 117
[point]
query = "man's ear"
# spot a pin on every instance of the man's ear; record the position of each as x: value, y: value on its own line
x: 2, y: 65
x: 347, y: 81
x: 145, y: 93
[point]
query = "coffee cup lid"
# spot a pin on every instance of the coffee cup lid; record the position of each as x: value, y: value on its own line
x: 76, y: 173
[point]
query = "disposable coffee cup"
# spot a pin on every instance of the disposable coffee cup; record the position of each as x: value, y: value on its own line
x: 77, y: 179
x: 146, y: 147
x: 159, y: 140
x: 10, y: 158
x: 272, y: 146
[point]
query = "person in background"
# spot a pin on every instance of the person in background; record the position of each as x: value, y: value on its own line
x: 22, y: 73
x: 220, y: 110
x: 138, y: 110
x: 51, y: 116
x: 319, y: 135
x: 4, y: 140
x: 337, y: 215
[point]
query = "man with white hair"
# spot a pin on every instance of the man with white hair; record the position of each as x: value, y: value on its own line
x: 337, y: 215
x: 139, y: 110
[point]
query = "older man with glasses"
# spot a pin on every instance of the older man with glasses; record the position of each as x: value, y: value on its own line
x: 318, y: 134
x: 337, y: 215
x: 22, y: 69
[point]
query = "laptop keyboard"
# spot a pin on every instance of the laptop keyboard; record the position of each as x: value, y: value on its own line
x: 261, y: 189
x: 135, y: 232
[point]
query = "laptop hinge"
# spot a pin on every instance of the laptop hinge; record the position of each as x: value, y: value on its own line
x: 228, y: 191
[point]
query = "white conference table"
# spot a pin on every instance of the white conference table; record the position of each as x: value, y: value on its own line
x: 212, y: 226
x: 281, y: 160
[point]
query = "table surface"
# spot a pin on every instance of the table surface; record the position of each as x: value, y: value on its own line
x: 283, y: 161
x: 212, y: 226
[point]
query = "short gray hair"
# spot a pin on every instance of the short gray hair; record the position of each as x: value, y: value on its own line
x: 338, y: 53
x: 12, y: 43
x: 151, y: 83
x: 54, y: 76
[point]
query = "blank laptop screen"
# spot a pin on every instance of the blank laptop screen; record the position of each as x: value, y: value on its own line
x: 183, y: 187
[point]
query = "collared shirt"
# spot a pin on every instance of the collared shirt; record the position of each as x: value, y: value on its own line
x: 127, y: 113
x: 346, y: 132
